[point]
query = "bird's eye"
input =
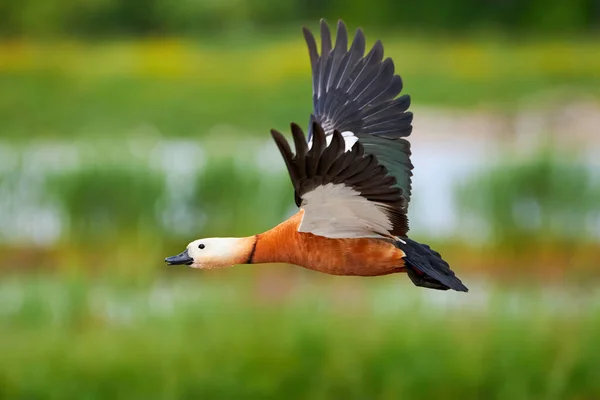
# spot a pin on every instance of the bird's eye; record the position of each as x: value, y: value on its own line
x: 201, y: 246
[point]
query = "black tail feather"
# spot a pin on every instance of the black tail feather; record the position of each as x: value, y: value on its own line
x: 426, y: 268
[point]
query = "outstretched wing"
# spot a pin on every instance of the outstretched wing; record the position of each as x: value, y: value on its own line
x: 356, y: 94
x: 344, y: 194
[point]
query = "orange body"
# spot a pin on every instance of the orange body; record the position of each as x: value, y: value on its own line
x: 362, y: 257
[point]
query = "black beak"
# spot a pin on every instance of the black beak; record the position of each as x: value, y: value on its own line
x: 180, y: 259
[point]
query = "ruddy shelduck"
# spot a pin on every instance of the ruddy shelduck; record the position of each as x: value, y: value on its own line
x: 351, y: 177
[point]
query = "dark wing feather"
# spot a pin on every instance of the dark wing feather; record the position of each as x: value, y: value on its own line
x: 324, y: 164
x: 358, y: 93
x: 427, y: 268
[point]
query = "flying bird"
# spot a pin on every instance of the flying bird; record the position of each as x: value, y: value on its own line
x: 351, y: 176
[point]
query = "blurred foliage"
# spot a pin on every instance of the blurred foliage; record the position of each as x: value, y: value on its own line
x: 236, y: 199
x: 205, y: 339
x: 241, y: 70
x: 545, y: 197
x: 108, y: 202
x: 105, y: 201
x: 184, y: 89
x: 154, y: 17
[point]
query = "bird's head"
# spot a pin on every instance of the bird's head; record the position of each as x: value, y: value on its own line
x: 215, y: 253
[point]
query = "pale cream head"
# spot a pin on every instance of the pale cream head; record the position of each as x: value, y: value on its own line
x: 214, y: 253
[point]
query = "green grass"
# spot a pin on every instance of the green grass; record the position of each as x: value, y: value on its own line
x: 58, y: 106
x: 63, y: 339
x: 185, y: 88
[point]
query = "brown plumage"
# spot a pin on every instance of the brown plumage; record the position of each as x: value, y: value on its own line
x: 360, y: 257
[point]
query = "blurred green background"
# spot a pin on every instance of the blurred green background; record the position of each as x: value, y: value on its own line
x: 129, y: 128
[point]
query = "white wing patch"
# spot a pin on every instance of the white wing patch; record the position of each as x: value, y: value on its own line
x: 338, y: 211
x: 349, y: 140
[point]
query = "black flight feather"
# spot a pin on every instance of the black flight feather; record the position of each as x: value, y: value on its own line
x: 358, y: 93
x: 324, y: 164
